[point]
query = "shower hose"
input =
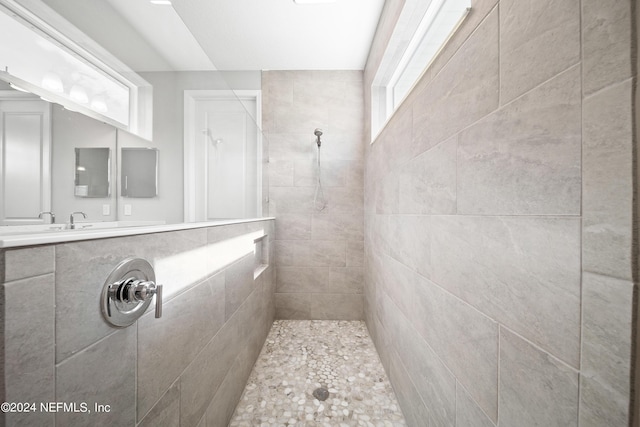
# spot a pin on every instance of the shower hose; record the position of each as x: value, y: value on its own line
x: 319, y: 191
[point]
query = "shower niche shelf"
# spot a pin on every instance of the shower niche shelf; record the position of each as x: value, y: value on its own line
x: 261, y: 255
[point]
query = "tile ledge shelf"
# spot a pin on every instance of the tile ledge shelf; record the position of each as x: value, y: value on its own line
x: 145, y: 227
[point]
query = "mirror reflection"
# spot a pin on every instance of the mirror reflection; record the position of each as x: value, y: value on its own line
x: 185, y: 102
x: 139, y: 172
x: 25, y: 145
x: 93, y: 172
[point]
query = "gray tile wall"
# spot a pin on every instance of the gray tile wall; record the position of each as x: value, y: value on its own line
x: 499, y: 220
x: 319, y: 254
x: 169, y: 371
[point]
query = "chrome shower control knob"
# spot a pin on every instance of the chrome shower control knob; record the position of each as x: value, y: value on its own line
x: 128, y: 292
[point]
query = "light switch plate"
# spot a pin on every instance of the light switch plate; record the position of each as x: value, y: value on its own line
x: 106, y: 209
x: 127, y: 209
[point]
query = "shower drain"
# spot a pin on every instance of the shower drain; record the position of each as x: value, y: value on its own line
x: 321, y: 393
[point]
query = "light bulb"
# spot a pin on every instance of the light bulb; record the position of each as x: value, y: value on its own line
x: 51, y: 82
x: 78, y: 94
x: 99, y: 105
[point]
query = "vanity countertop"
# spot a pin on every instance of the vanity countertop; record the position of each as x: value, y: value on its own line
x: 17, y: 238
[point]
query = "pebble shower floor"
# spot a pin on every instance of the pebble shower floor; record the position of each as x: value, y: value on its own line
x: 300, y: 356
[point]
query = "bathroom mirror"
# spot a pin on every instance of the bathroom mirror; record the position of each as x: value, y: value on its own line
x: 139, y: 172
x: 93, y: 172
x: 72, y: 129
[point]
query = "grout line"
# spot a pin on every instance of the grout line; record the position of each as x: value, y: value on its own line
x: 540, y: 349
x: 474, y: 401
x: 498, y: 377
x: 625, y: 80
x: 55, y: 338
x: 499, y: 56
x: 135, y: 376
x: 582, y: 210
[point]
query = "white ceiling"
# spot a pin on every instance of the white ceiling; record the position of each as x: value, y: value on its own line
x: 163, y: 29
x: 253, y: 34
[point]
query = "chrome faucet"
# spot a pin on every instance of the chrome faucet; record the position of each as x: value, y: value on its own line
x: 53, y: 217
x: 71, y: 224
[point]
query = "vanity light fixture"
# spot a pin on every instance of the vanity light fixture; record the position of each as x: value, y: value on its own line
x: 52, y: 82
x: 99, y: 105
x: 79, y: 95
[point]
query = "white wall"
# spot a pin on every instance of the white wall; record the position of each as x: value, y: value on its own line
x: 69, y: 131
x: 168, y: 131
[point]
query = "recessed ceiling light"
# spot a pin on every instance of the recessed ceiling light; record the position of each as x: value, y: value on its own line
x: 161, y: 2
x: 313, y: 1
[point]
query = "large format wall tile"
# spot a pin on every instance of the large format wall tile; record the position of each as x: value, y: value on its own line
x: 601, y: 406
x: 537, y: 41
x: 313, y: 234
x: 523, y: 272
x: 464, y: 338
x: 468, y: 413
x: 409, y: 399
x: 338, y: 226
x: 337, y: 306
x: 347, y: 280
x: 344, y: 200
x: 79, y: 322
x: 432, y: 379
x: 301, y: 279
x: 396, y: 141
x: 536, y: 389
x: 223, y: 404
x: 161, y: 366
x: 347, y: 115
x: 317, y: 253
x: 104, y: 373
x: 543, y: 200
x: 288, y: 200
x: 428, y: 182
x: 525, y: 158
x: 607, y: 340
x: 293, y: 306
x: 444, y: 107
x: 28, y: 348
x: 333, y: 172
x: 411, y: 243
x: 238, y: 284
x: 167, y: 345
x: 280, y: 173
x: 293, y: 227
x: 293, y: 146
x: 202, y: 378
x: 387, y: 194
x: 607, y: 39
x: 167, y: 410
x: 608, y: 181
x: 355, y: 253
x: 28, y: 262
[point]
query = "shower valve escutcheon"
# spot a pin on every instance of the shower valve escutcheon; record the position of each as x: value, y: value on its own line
x: 128, y: 292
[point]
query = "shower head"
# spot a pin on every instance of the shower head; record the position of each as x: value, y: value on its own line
x: 317, y: 133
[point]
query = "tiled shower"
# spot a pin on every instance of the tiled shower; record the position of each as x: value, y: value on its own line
x: 487, y: 237
x: 319, y: 253
x: 499, y: 221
